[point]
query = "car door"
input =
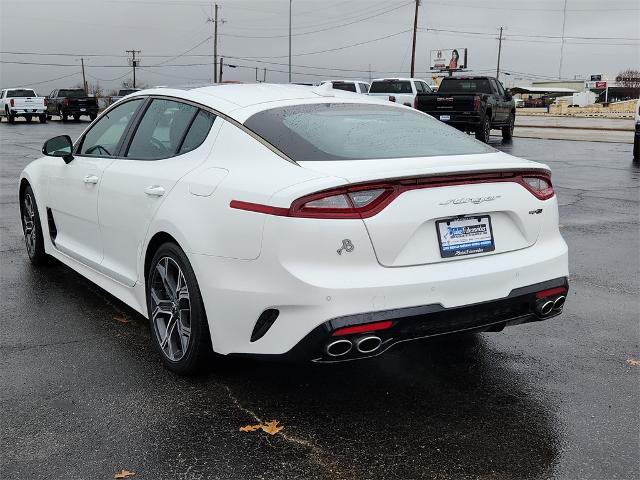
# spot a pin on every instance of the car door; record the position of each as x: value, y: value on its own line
x: 498, y: 109
x: 51, y: 109
x: 161, y: 150
x: 73, y: 188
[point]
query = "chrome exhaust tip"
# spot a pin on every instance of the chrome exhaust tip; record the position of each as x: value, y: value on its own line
x: 337, y: 348
x: 544, y: 307
x: 558, y: 303
x: 368, y: 344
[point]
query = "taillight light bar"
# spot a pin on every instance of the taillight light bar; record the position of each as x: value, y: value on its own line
x: 12, y: 102
x: 368, y: 199
x: 551, y: 292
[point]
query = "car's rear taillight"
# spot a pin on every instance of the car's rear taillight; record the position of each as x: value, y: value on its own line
x: 366, y: 200
x: 343, y: 203
x: 539, y: 185
x: 65, y: 101
x: 46, y: 102
x: 476, y: 103
x: 12, y: 102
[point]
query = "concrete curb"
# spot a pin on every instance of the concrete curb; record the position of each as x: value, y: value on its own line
x: 566, y: 127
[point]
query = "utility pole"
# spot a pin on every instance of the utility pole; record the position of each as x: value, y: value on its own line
x: 84, y: 79
x: 221, y: 64
x: 215, y: 44
x: 369, y: 73
x: 564, y: 21
x: 499, y: 52
x: 290, y: 41
x: 257, y: 81
x: 415, y: 33
x: 134, y: 63
x: 264, y: 75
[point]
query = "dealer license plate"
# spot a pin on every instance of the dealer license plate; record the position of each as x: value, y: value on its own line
x: 465, y: 236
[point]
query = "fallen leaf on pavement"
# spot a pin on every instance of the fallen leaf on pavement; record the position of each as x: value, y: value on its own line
x: 122, y: 319
x: 250, y: 428
x: 124, y: 474
x: 633, y: 362
x: 271, y: 427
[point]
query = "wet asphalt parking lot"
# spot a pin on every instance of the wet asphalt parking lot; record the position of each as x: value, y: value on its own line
x: 83, y: 395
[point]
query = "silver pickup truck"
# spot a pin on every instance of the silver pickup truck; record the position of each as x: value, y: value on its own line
x: 22, y: 102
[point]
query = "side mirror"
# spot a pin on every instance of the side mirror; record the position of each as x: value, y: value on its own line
x: 59, y: 146
x: 508, y: 94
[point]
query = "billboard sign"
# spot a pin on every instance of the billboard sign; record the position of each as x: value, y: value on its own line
x: 450, y: 60
x: 601, y: 84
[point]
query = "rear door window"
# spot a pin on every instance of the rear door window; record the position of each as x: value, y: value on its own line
x: 198, y: 131
x: 391, y: 86
x: 346, y: 86
x: 161, y: 130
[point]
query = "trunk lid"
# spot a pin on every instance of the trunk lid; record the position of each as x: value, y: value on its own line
x: 405, y: 233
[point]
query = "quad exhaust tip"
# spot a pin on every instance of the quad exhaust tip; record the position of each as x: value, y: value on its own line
x: 368, y: 344
x: 544, y: 306
x: 558, y: 303
x: 338, y: 348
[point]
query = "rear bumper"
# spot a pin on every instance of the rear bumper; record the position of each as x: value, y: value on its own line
x: 79, y: 110
x: 422, y: 322
x: 27, y: 111
x: 458, y: 119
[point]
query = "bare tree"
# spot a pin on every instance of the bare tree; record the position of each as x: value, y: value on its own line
x: 630, y: 81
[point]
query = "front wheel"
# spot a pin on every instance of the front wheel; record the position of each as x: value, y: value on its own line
x: 63, y: 116
x: 507, y: 131
x: 43, y: 118
x: 483, y: 133
x: 636, y: 149
x: 177, y: 316
x: 32, y: 228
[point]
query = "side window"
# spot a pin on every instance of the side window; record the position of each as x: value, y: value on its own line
x: 427, y: 88
x: 104, y: 137
x: 2, y: 94
x: 419, y: 87
x: 500, y: 88
x: 198, y: 131
x: 161, y: 130
x: 364, y: 88
x: 494, y: 87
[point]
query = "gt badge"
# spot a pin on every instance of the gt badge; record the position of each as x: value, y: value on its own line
x: 347, y: 246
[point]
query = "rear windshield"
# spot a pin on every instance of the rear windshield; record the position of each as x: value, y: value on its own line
x: 124, y: 93
x: 391, y: 86
x: 75, y: 93
x: 345, y: 131
x: 348, y: 87
x: 21, y: 93
x: 480, y: 85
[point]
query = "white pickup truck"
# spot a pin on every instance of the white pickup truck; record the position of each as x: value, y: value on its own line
x: 400, y: 90
x: 22, y: 102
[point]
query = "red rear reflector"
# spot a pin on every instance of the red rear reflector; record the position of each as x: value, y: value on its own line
x: 367, y: 327
x: 551, y: 292
x: 13, y: 102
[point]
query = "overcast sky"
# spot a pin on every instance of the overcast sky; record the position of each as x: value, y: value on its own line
x: 600, y: 37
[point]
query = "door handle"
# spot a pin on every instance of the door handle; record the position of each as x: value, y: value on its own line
x: 91, y: 179
x: 154, y: 190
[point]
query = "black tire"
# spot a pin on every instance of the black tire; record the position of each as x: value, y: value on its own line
x: 63, y: 116
x: 27, y: 118
x: 636, y: 149
x: 10, y: 117
x: 43, y: 118
x: 49, y: 117
x: 169, y: 306
x: 507, y: 132
x: 93, y: 116
x: 483, y: 132
x: 76, y: 118
x: 31, y: 227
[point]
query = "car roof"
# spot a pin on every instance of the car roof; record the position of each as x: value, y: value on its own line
x: 390, y: 79
x: 239, y: 101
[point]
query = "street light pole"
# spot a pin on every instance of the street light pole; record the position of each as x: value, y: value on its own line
x: 290, y: 41
x: 415, y: 32
x: 499, y: 52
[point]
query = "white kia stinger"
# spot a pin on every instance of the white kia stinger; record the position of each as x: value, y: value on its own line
x: 294, y: 222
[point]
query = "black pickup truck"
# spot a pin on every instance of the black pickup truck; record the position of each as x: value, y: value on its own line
x: 71, y: 102
x: 471, y: 104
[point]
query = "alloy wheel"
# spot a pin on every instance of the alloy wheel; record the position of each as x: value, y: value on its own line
x: 170, y: 309
x: 29, y: 223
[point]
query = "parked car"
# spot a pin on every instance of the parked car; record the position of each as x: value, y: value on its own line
x: 399, y: 90
x: 349, y: 85
x: 71, y: 102
x: 472, y: 104
x: 123, y: 92
x: 22, y: 102
x: 270, y: 221
x: 636, y: 138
